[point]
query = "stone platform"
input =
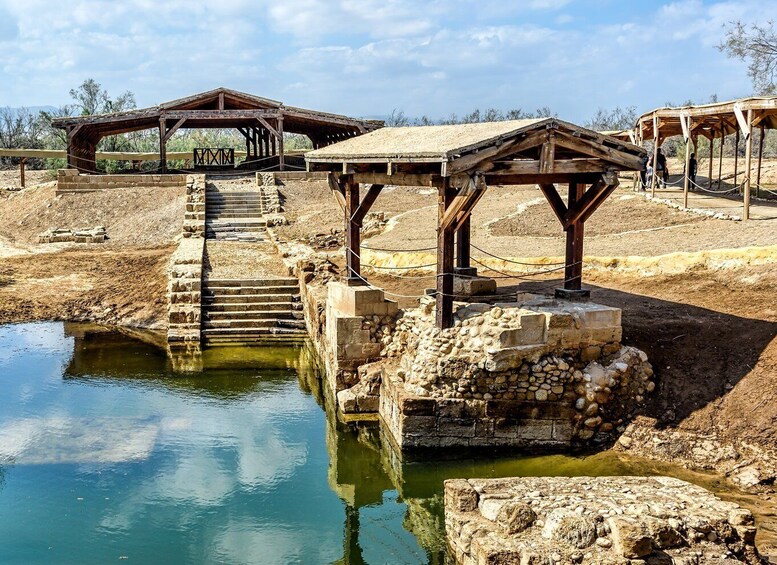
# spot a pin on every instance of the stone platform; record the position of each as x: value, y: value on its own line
x: 535, y: 373
x: 602, y: 521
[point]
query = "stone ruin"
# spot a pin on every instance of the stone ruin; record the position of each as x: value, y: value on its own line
x: 602, y: 521
x: 86, y: 235
x: 536, y: 372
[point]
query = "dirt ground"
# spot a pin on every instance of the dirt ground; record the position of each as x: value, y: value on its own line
x: 131, y: 216
x: 105, y: 286
x: 235, y: 260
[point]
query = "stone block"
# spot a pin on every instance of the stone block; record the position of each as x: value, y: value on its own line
x: 530, y: 332
x: 460, y: 495
x: 357, y: 300
x: 535, y: 430
x: 602, y: 317
x: 415, y: 425
x: 418, y: 406
x: 473, y: 286
x: 630, y: 537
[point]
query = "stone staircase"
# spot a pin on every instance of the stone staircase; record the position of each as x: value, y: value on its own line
x: 235, y: 215
x: 252, y: 310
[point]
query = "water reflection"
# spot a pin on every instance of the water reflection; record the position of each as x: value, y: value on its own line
x: 245, y: 461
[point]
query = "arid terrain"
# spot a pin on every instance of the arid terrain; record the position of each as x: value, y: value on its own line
x: 697, y: 292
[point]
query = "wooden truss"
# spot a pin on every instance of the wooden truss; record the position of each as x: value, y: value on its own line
x: 546, y: 154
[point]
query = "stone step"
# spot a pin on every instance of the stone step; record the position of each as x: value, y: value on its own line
x: 262, y: 335
x: 251, y: 296
x: 238, y: 223
x: 252, y: 283
x: 259, y: 296
x: 250, y: 307
x: 226, y: 230
x: 248, y: 315
x: 241, y: 238
x: 237, y: 213
x: 252, y: 324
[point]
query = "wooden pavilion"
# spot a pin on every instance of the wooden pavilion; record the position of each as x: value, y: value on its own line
x: 713, y: 121
x: 462, y: 162
x: 260, y: 120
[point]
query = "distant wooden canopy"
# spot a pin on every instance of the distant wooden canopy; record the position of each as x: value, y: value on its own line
x: 713, y: 121
x: 462, y: 161
x: 260, y: 120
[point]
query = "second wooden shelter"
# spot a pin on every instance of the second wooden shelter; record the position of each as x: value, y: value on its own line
x: 461, y: 162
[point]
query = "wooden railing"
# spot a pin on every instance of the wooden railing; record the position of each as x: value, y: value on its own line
x: 214, y: 157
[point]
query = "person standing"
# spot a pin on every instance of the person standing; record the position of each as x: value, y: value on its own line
x: 662, y: 171
x: 692, y: 167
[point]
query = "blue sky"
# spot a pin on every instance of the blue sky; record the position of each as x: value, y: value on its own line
x: 367, y: 57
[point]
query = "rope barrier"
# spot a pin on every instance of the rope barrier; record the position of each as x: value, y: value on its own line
x: 510, y: 260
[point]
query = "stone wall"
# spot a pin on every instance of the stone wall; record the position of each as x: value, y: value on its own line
x: 69, y: 181
x: 271, y: 198
x: 601, y: 521
x: 185, y: 278
x: 539, y: 373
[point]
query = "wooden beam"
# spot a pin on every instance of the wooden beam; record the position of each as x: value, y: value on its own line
x: 547, y: 154
x: 399, y: 179
x: 687, y: 178
x: 748, y: 167
x: 594, y: 149
x: 760, y: 156
x: 221, y: 100
x: 573, y: 263
x: 535, y: 167
x: 169, y: 133
x: 656, y: 144
x: 511, y: 146
x: 162, y: 146
x: 587, y: 203
x: 337, y: 190
x: 736, y: 157
x: 445, y: 242
x: 463, y: 201
x: 22, y: 162
x: 268, y: 127
x: 366, y: 203
x: 555, y: 201
x: 352, y: 232
x: 720, y: 161
x: 463, y: 241
x: 281, y: 161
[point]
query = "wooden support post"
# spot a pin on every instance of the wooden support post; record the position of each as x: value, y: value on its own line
x: 352, y: 233
x: 748, y: 165
x: 445, y: 237
x: 720, y: 159
x: 712, y: 155
x: 687, y: 180
x: 22, y: 162
x: 573, y: 268
x: 463, y: 251
x: 281, y: 164
x: 736, y: 156
x: 274, y: 150
x: 656, y: 143
x: 760, y: 156
x: 162, y: 146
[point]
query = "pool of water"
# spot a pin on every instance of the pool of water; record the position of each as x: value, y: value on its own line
x: 108, y: 454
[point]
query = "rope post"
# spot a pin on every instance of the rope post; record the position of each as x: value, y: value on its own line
x: 22, y: 161
x: 444, y: 298
x: 748, y: 164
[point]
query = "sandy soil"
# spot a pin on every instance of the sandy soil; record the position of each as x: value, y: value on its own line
x: 9, y: 179
x: 235, y: 260
x: 122, y: 288
x: 132, y: 216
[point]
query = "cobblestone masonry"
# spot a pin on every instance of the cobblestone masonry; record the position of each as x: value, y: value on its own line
x: 602, y: 521
x: 69, y: 180
x: 185, y: 284
x: 535, y: 373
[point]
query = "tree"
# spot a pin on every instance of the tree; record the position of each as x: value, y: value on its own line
x: 611, y: 120
x: 90, y: 98
x: 757, y: 46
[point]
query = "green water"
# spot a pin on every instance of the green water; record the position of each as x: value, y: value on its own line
x: 108, y: 455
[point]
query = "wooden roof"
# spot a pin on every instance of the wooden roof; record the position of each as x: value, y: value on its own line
x: 504, y: 151
x: 221, y: 107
